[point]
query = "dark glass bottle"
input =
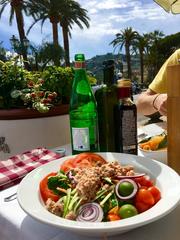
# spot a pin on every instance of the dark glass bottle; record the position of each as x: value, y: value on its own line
x: 125, y: 120
x: 83, y: 111
x: 106, y: 98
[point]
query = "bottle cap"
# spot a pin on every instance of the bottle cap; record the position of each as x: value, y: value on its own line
x: 124, y: 82
x: 79, y: 57
x: 79, y: 61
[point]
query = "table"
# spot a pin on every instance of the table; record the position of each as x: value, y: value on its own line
x: 16, y: 224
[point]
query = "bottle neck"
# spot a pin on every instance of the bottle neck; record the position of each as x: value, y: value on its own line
x: 109, y: 76
x: 79, y: 65
x: 123, y: 92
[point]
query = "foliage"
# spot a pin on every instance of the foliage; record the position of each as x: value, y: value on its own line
x: 125, y: 39
x: 2, y: 52
x: 92, y: 80
x: 49, y: 53
x: 59, y: 79
x: 168, y: 45
x: 12, y: 77
x: 36, y: 96
x: 66, y: 13
x: 20, y: 88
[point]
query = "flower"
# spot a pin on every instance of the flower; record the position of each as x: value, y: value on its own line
x: 36, y: 96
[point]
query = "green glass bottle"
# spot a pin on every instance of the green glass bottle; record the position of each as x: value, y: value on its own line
x: 106, y: 98
x: 83, y: 111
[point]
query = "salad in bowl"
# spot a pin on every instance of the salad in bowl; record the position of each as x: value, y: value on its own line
x: 87, y: 188
x: 96, y: 194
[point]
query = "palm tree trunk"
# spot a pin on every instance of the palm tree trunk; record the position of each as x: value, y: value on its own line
x: 20, y: 26
x: 55, y: 40
x: 142, y: 66
x: 66, y: 45
x: 128, y: 59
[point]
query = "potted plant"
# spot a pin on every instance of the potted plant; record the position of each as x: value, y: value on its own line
x: 33, y: 94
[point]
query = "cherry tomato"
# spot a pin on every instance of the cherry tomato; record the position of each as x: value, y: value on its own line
x: 142, y: 207
x: 67, y: 165
x: 155, y: 192
x: 145, y: 196
x: 144, y: 181
x: 113, y: 217
x: 45, y: 191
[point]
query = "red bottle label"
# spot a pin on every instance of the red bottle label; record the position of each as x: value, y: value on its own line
x: 79, y: 64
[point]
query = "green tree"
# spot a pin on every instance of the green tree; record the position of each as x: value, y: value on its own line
x: 168, y: 45
x: 48, y: 53
x: 154, y: 59
x: 17, y: 9
x: 73, y: 13
x: 65, y: 13
x: 140, y: 46
x: 2, y: 52
x: 43, y: 10
x: 125, y: 39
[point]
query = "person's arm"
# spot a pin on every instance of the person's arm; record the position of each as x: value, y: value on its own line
x: 150, y: 102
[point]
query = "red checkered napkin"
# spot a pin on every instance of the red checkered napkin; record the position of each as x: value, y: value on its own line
x: 15, y: 168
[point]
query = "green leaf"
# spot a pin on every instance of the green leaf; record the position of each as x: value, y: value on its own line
x: 16, y: 93
x: 163, y: 143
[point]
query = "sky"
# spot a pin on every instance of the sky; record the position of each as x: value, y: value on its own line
x: 107, y: 17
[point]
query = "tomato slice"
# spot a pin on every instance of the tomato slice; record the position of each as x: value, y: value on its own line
x: 45, y: 191
x: 67, y: 165
x: 88, y: 160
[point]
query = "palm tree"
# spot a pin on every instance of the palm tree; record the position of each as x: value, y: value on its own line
x: 48, y: 53
x: 64, y: 12
x: 141, y: 45
x: 72, y: 13
x: 153, y: 53
x: 125, y: 39
x: 17, y: 8
x: 43, y: 10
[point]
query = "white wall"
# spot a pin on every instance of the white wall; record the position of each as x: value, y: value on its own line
x: 26, y: 134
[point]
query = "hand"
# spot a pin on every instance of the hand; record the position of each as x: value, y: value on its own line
x: 160, y: 104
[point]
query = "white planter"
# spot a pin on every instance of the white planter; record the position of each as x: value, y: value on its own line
x: 25, y: 134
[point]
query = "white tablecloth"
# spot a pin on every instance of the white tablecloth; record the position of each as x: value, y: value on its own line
x: 15, y: 224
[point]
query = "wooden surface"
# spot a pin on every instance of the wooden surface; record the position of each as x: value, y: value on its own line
x: 173, y: 118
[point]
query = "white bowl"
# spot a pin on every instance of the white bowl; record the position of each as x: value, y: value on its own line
x: 29, y: 198
x: 159, y: 155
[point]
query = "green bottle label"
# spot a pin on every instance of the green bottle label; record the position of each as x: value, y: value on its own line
x: 80, y: 138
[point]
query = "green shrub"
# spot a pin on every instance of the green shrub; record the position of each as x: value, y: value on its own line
x: 12, y: 77
x: 14, y: 85
x: 59, y: 80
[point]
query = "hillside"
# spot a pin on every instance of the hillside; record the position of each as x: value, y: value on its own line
x: 94, y: 65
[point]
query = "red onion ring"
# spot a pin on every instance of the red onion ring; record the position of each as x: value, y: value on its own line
x: 135, y: 189
x: 90, y: 212
x: 130, y: 177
